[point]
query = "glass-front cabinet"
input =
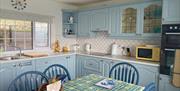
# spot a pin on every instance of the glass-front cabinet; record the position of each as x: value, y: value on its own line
x: 129, y: 20
x: 140, y: 21
x: 152, y: 14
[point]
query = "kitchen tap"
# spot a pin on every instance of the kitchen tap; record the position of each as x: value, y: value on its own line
x: 20, y: 50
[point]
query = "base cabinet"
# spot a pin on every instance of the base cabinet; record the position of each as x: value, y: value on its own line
x: 94, y: 65
x: 147, y: 74
x: 9, y: 71
x: 67, y: 61
x: 165, y: 84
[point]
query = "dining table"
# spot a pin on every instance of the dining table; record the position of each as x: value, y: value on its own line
x: 88, y: 83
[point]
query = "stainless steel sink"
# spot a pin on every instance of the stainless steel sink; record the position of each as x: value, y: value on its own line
x: 9, y: 58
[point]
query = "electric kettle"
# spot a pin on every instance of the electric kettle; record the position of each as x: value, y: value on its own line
x: 115, y: 50
x: 88, y: 47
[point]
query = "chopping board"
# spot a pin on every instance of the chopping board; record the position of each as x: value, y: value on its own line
x: 35, y: 54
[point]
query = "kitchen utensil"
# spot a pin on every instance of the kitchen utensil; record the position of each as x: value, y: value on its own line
x: 35, y: 54
x: 75, y: 47
x: 88, y: 47
x: 71, y: 19
x: 115, y: 49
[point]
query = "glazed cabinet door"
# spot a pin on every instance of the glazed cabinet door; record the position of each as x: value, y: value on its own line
x: 151, y: 20
x: 130, y: 18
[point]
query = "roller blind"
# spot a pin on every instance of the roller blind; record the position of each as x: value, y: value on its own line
x: 10, y: 14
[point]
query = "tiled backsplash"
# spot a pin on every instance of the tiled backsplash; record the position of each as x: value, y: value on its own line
x: 101, y: 43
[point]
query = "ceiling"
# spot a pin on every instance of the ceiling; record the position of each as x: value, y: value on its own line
x: 81, y: 2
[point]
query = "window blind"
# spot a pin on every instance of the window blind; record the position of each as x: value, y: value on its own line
x: 10, y: 14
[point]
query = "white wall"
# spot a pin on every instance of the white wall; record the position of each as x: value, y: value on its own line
x: 46, y: 7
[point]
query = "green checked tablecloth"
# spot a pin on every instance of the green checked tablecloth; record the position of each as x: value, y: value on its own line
x: 87, y: 83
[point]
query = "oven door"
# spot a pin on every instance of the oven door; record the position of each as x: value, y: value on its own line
x: 167, y: 61
x: 171, y: 40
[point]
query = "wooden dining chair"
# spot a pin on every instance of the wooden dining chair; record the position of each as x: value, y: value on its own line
x: 57, y: 71
x: 28, y: 81
x: 150, y: 87
x: 124, y: 72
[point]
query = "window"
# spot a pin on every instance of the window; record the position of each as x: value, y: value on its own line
x: 26, y: 35
x: 41, y: 35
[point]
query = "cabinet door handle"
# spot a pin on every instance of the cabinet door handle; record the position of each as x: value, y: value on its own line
x: 90, y: 64
x: 25, y: 64
x: 163, y: 19
x: 20, y: 65
x: 46, y: 62
x: 14, y: 65
x: 101, y: 60
x: 68, y: 57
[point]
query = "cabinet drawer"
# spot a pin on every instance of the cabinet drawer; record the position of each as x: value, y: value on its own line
x: 87, y: 72
x: 92, y: 64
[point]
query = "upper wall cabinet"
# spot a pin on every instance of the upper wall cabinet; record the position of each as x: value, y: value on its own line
x: 151, y: 22
x: 69, y: 23
x: 114, y: 22
x: 171, y: 12
x: 84, y: 24
x: 100, y: 20
x: 140, y: 21
x: 129, y: 20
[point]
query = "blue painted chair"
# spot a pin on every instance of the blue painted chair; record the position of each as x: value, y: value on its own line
x: 124, y: 72
x: 28, y: 81
x: 150, y: 87
x: 57, y: 71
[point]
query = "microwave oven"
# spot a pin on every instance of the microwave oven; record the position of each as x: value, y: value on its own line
x: 148, y: 53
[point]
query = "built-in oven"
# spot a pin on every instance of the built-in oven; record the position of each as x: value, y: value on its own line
x: 170, y: 43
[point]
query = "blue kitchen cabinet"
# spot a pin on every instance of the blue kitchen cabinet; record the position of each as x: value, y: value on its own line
x: 86, y: 65
x: 91, y: 65
x: 165, y: 84
x: 100, y: 20
x: 130, y: 20
x: 24, y: 66
x: 69, y: 23
x: 71, y: 65
x: 43, y: 63
x: 84, y: 24
x: 114, y: 22
x: 9, y: 71
x: 171, y: 12
x: 7, y: 74
x: 137, y: 21
x: 147, y: 74
x: 66, y: 61
x: 106, y: 67
x: 151, y: 13
x: 79, y: 67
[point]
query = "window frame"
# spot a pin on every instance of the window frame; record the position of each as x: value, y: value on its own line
x: 49, y: 36
x: 32, y: 36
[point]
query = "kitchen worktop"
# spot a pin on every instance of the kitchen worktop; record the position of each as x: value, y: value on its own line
x: 122, y: 58
x: 93, y: 54
x: 50, y: 54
